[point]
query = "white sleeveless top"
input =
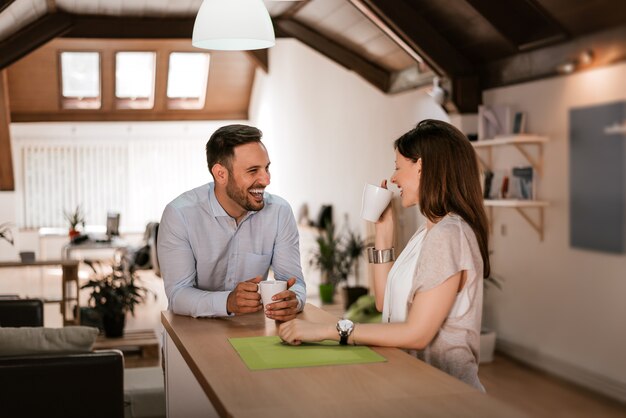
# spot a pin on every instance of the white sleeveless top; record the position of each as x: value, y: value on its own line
x: 400, y: 279
x: 400, y: 282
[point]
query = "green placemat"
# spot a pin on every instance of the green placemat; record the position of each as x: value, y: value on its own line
x: 262, y: 353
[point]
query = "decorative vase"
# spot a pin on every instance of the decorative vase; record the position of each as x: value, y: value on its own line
x: 327, y: 293
x: 73, y: 233
x: 114, y: 325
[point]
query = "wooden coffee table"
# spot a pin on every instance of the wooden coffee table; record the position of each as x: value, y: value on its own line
x: 140, y: 347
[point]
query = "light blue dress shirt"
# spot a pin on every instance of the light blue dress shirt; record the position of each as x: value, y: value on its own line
x: 203, y: 253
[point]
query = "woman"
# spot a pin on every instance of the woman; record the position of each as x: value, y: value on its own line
x: 431, y: 297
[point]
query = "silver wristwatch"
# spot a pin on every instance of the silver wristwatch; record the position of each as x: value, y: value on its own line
x: 345, y: 328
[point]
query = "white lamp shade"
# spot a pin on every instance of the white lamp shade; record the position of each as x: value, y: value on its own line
x: 233, y: 25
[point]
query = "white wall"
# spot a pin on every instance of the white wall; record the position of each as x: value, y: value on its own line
x: 328, y: 131
x: 561, y: 308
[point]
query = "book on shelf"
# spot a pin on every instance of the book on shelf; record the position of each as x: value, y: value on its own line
x: 517, y: 183
x: 519, y: 123
x: 498, y: 186
x: 522, y: 183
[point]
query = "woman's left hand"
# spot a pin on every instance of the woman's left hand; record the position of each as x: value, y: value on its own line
x: 297, y: 331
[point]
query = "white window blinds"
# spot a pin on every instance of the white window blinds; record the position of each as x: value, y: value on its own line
x: 133, y: 173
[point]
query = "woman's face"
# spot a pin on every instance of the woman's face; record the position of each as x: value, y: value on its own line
x: 407, y: 177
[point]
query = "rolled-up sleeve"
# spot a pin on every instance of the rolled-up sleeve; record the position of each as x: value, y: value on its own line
x: 178, y: 268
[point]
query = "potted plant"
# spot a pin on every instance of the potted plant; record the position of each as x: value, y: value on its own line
x: 353, y: 247
x: 113, y: 295
x: 328, y: 258
x: 74, y: 219
x: 6, y: 233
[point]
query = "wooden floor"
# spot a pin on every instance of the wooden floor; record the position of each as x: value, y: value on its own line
x: 541, y: 395
x: 531, y: 391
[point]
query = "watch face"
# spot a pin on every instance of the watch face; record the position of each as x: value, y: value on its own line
x: 345, y: 325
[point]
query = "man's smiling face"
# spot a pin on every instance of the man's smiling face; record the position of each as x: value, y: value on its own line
x: 248, y: 176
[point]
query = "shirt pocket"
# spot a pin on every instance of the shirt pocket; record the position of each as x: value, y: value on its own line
x: 252, y: 265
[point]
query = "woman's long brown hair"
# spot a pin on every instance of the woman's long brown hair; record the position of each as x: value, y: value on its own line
x: 450, y: 180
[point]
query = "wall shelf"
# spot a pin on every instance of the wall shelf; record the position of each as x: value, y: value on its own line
x: 522, y: 207
x: 522, y: 142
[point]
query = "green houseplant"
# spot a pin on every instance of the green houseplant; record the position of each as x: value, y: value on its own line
x: 353, y: 248
x: 113, y: 295
x: 336, y: 256
x: 328, y: 258
x: 75, y: 218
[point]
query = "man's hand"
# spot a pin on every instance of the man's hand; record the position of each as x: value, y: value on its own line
x: 287, y: 306
x: 244, y: 298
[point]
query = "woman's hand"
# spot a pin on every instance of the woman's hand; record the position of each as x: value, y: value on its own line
x: 297, y: 331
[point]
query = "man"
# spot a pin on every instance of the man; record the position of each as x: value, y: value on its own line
x: 217, y: 241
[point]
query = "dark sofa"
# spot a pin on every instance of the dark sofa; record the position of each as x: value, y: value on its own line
x: 65, y: 385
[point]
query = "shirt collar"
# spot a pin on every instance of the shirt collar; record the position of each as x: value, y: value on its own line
x: 217, y: 208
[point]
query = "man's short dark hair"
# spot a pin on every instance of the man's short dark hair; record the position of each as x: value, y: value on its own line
x: 220, y: 148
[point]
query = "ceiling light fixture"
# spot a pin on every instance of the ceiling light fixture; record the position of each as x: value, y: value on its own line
x: 584, y: 59
x: 437, y: 92
x: 233, y: 25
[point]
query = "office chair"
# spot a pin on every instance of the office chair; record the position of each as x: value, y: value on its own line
x: 21, y: 313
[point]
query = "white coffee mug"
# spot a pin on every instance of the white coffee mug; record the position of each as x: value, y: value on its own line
x: 269, y: 288
x: 375, y: 200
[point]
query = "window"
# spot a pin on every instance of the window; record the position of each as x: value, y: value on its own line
x: 187, y: 80
x: 134, y: 80
x: 104, y: 170
x: 80, y: 80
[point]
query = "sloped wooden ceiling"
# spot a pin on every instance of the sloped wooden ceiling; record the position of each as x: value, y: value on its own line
x: 473, y: 44
x: 34, y: 83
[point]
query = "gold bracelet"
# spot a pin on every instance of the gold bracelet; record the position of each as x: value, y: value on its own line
x: 381, y: 256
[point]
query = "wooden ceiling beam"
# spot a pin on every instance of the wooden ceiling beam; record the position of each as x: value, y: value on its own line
x: 410, y: 30
x: 121, y: 27
x: 31, y: 37
x: 420, y: 35
x: 524, y: 23
x: 260, y: 58
x: 4, y: 4
x: 7, y: 181
x: 608, y: 47
x: 371, y: 72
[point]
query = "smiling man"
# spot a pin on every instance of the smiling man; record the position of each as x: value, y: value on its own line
x: 217, y: 241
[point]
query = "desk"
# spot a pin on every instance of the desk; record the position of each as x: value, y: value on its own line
x: 113, y: 244
x: 69, y: 301
x: 204, y: 374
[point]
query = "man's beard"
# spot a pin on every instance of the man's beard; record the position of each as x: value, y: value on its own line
x: 242, y: 197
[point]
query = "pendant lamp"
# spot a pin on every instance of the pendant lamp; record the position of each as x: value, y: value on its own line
x: 233, y: 25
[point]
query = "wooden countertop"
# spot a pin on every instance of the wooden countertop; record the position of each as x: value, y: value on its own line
x: 402, y: 386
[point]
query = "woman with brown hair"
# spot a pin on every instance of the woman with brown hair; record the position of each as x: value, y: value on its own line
x: 431, y: 296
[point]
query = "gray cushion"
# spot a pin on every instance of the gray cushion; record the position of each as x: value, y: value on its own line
x: 38, y: 340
